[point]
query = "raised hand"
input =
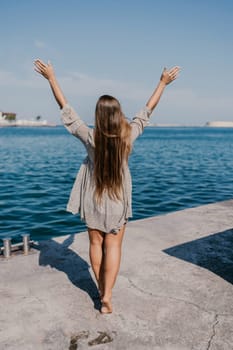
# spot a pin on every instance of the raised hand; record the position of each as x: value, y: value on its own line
x: 168, y: 75
x: 44, y: 69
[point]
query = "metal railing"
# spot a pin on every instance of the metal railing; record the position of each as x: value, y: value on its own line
x: 9, y: 248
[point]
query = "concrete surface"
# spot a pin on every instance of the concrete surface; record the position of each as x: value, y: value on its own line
x: 174, y: 290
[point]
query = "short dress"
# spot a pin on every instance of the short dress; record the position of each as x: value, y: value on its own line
x: 110, y: 215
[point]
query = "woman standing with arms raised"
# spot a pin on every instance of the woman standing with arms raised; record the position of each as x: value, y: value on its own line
x: 102, y: 190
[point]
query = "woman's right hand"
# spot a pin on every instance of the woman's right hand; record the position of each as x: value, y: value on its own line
x: 46, y: 70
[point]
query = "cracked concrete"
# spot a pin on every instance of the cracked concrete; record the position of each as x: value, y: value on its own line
x: 174, y: 290
x: 213, y: 332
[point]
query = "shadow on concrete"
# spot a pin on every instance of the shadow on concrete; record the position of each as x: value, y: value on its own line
x: 214, y: 252
x: 61, y: 257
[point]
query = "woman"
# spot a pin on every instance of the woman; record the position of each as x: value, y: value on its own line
x: 102, y: 189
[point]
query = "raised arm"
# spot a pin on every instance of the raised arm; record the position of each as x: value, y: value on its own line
x: 46, y: 70
x: 142, y: 118
x: 166, y: 78
x: 73, y: 123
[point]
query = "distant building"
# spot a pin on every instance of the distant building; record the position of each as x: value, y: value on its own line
x: 8, y: 116
x: 9, y: 119
x: 220, y: 124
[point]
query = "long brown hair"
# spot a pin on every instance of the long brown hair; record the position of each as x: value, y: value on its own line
x: 112, y: 147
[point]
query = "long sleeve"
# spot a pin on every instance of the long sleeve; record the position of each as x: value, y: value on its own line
x: 139, y: 122
x: 74, y: 124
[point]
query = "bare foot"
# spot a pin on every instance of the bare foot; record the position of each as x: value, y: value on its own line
x: 106, y: 307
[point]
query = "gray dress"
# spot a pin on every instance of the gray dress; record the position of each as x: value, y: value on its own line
x: 111, y: 215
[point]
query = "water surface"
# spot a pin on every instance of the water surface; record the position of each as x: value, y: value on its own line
x: 172, y: 169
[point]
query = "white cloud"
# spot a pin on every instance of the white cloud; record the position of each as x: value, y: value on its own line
x: 184, y: 106
x: 39, y: 44
x: 10, y: 79
x: 84, y: 85
x: 78, y: 84
x: 187, y: 106
x: 7, y: 78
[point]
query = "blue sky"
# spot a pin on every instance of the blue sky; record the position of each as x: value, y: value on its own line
x: 120, y: 48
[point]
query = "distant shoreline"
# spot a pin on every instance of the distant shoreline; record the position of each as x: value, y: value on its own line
x: 26, y: 123
x: 44, y: 123
x: 220, y: 124
x: 214, y: 124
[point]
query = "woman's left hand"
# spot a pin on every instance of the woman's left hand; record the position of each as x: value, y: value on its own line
x: 169, y: 75
x: 46, y: 70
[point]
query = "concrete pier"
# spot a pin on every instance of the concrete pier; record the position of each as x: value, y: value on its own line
x: 174, y: 290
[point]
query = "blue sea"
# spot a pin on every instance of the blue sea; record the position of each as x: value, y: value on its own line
x: 172, y: 169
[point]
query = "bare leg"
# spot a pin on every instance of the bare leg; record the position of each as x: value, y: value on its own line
x: 112, y: 259
x: 96, y: 253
